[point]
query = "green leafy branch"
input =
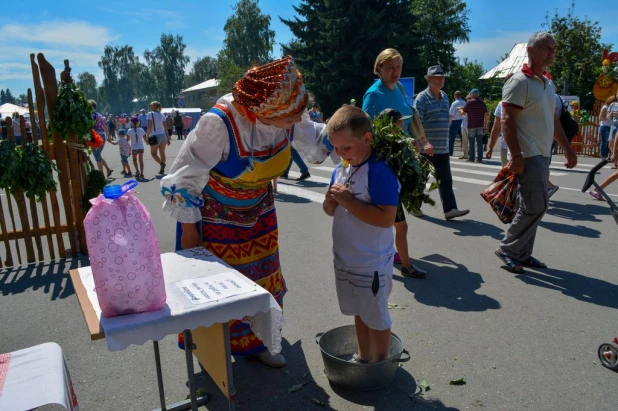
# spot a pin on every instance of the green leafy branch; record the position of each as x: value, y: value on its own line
x: 391, y: 144
x: 72, y: 113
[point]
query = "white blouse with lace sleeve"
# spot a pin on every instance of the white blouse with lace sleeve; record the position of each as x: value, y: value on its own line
x: 206, y: 146
x: 311, y: 140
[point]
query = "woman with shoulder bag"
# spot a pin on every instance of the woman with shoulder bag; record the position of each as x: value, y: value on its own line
x: 158, y: 138
x: 385, y: 93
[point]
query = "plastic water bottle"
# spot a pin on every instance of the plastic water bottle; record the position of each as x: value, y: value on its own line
x: 124, y: 253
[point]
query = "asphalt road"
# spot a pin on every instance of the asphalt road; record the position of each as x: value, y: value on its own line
x: 519, y: 341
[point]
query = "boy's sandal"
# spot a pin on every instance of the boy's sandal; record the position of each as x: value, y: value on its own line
x: 510, y: 264
x: 413, y: 272
x: 533, y: 263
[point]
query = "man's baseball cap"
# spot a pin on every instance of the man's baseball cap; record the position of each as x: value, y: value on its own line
x: 395, y: 114
x: 475, y: 91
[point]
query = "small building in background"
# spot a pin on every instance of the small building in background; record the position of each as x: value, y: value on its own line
x: 202, y: 95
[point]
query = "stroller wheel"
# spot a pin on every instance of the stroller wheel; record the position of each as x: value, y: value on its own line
x: 608, y: 354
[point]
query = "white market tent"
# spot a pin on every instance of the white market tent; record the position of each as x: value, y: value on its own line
x: 7, y: 110
x: 194, y: 113
x: 514, y: 62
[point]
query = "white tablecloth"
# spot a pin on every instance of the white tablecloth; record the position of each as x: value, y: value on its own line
x: 258, y: 308
x: 34, y: 377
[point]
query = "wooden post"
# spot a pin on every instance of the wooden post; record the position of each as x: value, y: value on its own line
x: 74, y: 148
x: 35, y: 140
x: 9, y: 128
x: 7, y: 245
x: 53, y: 198
x: 48, y: 74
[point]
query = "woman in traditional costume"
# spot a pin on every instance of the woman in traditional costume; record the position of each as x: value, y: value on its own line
x: 222, y: 178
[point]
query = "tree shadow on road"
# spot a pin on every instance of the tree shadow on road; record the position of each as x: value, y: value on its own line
x: 469, y: 228
x: 290, y: 198
x: 259, y: 387
x: 580, y: 287
x: 449, y: 285
x: 52, y: 276
x: 394, y: 396
x: 577, y: 230
x: 576, y: 212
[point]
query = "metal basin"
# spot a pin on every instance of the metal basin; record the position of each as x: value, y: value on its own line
x: 337, y: 347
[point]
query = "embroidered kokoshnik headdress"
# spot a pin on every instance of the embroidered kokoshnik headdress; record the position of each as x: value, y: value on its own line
x: 271, y: 91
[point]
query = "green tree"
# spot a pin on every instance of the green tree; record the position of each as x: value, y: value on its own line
x: 580, y: 53
x: 167, y: 62
x: 227, y: 73
x: 8, y: 97
x: 204, y: 68
x: 248, y: 37
x: 337, y: 41
x: 464, y: 76
x: 88, y: 84
x: 2, y: 97
x: 439, y: 25
x: 119, y: 65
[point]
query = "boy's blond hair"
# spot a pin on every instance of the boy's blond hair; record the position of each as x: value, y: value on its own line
x: 384, y: 56
x: 352, y: 119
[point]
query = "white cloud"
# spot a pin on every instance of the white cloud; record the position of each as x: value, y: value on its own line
x: 65, y: 33
x: 488, y: 50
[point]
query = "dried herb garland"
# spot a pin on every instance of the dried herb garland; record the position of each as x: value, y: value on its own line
x: 392, y: 145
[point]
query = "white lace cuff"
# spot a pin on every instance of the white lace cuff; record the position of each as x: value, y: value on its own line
x: 183, y: 214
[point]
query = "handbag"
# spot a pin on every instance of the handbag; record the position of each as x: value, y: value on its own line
x: 501, y: 195
x: 415, y: 127
x: 152, y: 140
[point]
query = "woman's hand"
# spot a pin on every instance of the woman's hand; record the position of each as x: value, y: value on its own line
x: 190, y: 237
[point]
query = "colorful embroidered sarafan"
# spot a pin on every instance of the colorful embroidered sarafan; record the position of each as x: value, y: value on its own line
x: 239, y: 222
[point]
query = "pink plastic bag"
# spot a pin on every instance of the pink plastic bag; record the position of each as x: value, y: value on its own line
x: 124, y: 253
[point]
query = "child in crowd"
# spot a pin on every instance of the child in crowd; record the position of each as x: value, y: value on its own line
x: 363, y: 198
x: 125, y: 151
x: 137, y: 137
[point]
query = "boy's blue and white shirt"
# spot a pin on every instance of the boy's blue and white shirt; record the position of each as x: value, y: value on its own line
x: 358, y: 246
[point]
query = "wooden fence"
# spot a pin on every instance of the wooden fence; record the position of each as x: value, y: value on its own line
x: 67, y: 215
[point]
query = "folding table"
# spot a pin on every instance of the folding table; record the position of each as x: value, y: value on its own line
x: 207, y: 321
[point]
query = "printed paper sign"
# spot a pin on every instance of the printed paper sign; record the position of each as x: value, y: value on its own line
x: 216, y: 287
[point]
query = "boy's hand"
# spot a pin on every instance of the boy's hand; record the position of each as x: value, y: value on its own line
x: 340, y: 194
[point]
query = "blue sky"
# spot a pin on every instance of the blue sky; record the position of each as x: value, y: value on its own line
x: 79, y: 30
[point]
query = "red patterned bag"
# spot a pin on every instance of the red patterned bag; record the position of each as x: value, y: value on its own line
x: 502, y: 195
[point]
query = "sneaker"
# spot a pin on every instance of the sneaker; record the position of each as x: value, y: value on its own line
x: 397, y: 259
x: 275, y: 361
x: 162, y: 169
x: 413, y: 271
x: 462, y: 157
x: 418, y: 214
x: 552, y: 191
x: 123, y: 172
x: 303, y: 176
x: 454, y: 213
x: 129, y: 174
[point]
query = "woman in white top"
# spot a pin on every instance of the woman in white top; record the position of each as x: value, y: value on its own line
x: 157, y: 134
x: 606, y: 125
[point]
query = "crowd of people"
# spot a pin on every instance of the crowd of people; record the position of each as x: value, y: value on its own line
x: 132, y: 133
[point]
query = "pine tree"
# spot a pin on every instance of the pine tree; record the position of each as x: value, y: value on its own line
x: 2, y: 97
x: 8, y: 97
x: 337, y: 41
